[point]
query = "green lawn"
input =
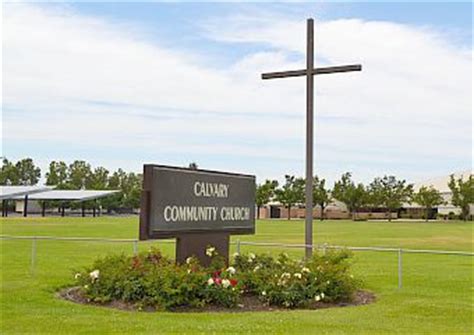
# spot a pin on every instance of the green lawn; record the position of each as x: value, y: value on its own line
x: 437, y: 296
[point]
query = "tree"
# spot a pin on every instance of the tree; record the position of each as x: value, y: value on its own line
x: 375, y: 194
x: 291, y: 193
x: 131, y: 189
x: 8, y: 173
x: 264, y: 193
x: 79, y: 172
x: 321, y: 195
x: 130, y: 186
x: 98, y: 179
x: 57, y: 175
x: 28, y: 173
x: 428, y: 197
x: 193, y: 166
x: 393, y: 193
x: 115, y: 182
x: 354, y: 196
x: 463, y: 194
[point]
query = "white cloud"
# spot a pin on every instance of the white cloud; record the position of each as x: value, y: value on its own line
x: 69, y: 77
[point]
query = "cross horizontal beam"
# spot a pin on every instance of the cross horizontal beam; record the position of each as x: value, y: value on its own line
x: 318, y: 70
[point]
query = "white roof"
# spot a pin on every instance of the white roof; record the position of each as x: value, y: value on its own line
x: 441, y: 183
x: 10, y: 192
x: 70, y: 195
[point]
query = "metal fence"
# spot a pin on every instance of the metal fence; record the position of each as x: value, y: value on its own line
x: 238, y: 244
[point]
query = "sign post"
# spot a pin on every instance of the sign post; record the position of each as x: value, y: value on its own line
x: 197, y: 207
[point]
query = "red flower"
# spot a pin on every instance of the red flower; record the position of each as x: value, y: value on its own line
x: 216, y: 274
x: 136, y: 263
x: 233, y: 282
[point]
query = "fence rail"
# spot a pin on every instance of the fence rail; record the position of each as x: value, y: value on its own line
x: 238, y: 243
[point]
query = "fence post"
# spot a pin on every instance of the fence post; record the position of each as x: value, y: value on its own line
x: 135, y: 247
x: 33, y: 255
x: 238, y: 246
x: 400, y: 251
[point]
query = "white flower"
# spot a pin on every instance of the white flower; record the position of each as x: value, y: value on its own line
x: 264, y: 293
x: 286, y: 303
x: 231, y: 270
x: 86, y: 286
x: 286, y: 275
x: 328, y: 282
x: 251, y: 257
x: 305, y: 270
x: 317, y: 298
x: 255, y: 269
x: 94, y: 275
x: 210, y: 281
x: 322, y: 295
x: 189, y: 260
x: 297, y: 275
x: 235, y: 254
x: 225, y: 283
x: 210, y: 251
x: 77, y: 275
x: 189, y: 271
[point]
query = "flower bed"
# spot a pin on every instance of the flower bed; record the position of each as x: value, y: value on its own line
x: 153, y: 281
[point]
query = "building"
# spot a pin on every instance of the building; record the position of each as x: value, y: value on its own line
x: 334, y: 210
x: 414, y: 210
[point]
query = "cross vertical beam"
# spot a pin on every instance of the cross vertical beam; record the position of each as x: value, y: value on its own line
x: 309, y: 139
x: 309, y: 72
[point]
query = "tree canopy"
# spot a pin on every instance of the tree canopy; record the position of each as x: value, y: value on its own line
x: 462, y: 193
x: 428, y: 197
x: 392, y: 192
x: 264, y: 193
x: 291, y: 192
x: 321, y: 194
x: 352, y: 194
x: 23, y: 172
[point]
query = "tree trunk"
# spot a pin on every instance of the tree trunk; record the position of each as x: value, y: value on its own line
x: 289, y: 212
x: 465, y: 213
x: 389, y: 213
x: 258, y: 212
x: 427, y: 213
x: 353, y: 215
x: 322, y: 213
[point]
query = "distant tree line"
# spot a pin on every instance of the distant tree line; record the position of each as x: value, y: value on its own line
x: 76, y: 176
x: 387, y: 193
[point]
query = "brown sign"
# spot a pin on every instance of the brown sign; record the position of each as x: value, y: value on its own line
x: 177, y: 201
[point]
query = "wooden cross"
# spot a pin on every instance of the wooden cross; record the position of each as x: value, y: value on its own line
x: 309, y: 72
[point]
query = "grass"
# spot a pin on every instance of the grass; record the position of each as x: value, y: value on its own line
x: 436, y: 298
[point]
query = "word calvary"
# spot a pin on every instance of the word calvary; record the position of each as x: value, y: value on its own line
x: 205, y: 213
x: 211, y: 190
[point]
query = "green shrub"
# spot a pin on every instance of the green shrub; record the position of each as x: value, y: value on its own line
x: 151, y: 279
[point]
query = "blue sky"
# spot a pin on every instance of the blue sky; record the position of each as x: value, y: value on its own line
x: 122, y: 84
x: 165, y: 22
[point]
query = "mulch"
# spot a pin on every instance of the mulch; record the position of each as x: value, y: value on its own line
x: 247, y: 303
